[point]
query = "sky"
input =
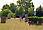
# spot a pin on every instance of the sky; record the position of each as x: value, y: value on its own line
x: 35, y: 2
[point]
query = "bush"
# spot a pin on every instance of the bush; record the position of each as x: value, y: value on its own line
x: 13, y: 15
x: 9, y: 15
x: 36, y: 17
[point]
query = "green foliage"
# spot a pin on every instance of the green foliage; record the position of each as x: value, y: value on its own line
x: 30, y: 11
x: 26, y: 4
x: 39, y: 11
x: 35, y: 17
x: 23, y: 6
x: 5, y: 12
x: 20, y: 11
x: 13, y: 15
x: 9, y: 14
x: 5, y: 7
x: 0, y: 13
x: 13, y: 7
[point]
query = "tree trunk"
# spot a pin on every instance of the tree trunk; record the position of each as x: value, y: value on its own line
x: 3, y: 19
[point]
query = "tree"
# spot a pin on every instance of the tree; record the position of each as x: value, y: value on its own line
x: 5, y: 7
x: 4, y: 14
x: 39, y: 11
x: 20, y: 11
x: 27, y: 5
x: 13, y: 7
x: 30, y: 12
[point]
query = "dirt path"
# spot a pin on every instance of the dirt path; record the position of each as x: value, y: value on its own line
x: 15, y: 24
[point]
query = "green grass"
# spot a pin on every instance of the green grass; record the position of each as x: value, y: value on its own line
x: 15, y: 24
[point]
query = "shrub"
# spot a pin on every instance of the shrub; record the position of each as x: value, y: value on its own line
x: 13, y: 15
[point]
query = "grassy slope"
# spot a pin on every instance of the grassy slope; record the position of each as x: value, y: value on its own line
x: 14, y: 24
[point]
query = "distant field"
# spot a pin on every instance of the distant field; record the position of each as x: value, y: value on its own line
x: 15, y: 24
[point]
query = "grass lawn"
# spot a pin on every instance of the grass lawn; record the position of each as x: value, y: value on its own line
x: 15, y: 24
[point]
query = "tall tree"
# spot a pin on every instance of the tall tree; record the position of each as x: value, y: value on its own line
x: 4, y: 14
x: 39, y: 11
x: 5, y: 10
x: 26, y: 4
x: 20, y: 11
x: 5, y: 7
x: 12, y: 7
